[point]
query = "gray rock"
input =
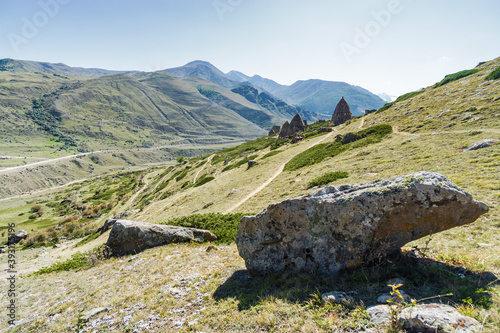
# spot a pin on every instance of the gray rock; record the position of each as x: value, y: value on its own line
x: 395, y: 282
x: 18, y: 236
x: 482, y: 144
x: 379, y: 314
x: 129, y: 237
x: 335, y: 228
x: 338, y: 297
x: 251, y: 163
x: 125, y: 214
x: 437, y: 318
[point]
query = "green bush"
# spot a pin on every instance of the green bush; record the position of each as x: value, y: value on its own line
x: 239, y: 163
x: 224, y: 226
x: 203, y: 180
x: 319, y: 152
x: 495, y: 75
x: 328, y: 178
x: 455, y: 76
x: 272, y: 153
x: 245, y: 148
x: 78, y: 260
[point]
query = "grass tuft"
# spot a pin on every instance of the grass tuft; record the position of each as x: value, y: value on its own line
x: 224, y: 226
x: 328, y: 178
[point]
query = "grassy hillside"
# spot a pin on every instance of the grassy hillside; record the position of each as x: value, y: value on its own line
x: 24, y: 66
x: 49, y: 113
x: 186, y: 288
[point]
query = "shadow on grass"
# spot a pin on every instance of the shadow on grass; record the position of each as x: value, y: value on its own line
x: 426, y: 280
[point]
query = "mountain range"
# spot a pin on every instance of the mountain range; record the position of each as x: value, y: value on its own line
x: 49, y: 106
x: 317, y: 96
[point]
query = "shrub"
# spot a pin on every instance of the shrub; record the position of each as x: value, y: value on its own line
x: 319, y: 152
x: 239, y: 163
x: 224, y: 226
x: 203, y: 180
x: 245, y: 148
x: 180, y: 159
x: 275, y: 152
x: 455, y: 76
x: 495, y: 75
x: 328, y: 178
x: 36, y: 208
x: 78, y: 260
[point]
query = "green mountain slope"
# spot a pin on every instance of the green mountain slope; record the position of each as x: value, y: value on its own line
x: 112, y: 111
x: 25, y: 66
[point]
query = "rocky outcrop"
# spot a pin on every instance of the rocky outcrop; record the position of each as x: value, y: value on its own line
x: 129, y: 237
x: 274, y: 130
x: 342, y: 113
x: 18, y: 236
x: 482, y: 144
x: 297, y: 125
x: 336, y: 228
x: 370, y: 111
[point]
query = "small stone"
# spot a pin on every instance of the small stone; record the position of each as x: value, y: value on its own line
x: 396, y: 281
x: 337, y: 297
x: 56, y: 246
x: 484, y: 245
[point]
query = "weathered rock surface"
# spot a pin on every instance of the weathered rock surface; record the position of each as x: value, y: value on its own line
x: 338, y: 297
x: 129, y: 237
x: 335, y: 228
x: 426, y: 318
x: 437, y: 318
x: 379, y: 314
x: 342, y: 113
x: 18, y: 236
x: 482, y: 144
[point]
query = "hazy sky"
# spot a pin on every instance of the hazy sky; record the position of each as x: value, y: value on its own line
x: 392, y: 46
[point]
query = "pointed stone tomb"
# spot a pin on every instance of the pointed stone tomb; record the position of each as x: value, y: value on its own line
x: 342, y: 113
x: 297, y: 125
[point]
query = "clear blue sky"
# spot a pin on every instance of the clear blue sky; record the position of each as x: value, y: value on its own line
x: 410, y: 45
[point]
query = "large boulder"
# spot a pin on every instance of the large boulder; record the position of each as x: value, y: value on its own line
x: 341, y: 227
x: 17, y: 236
x: 129, y: 237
